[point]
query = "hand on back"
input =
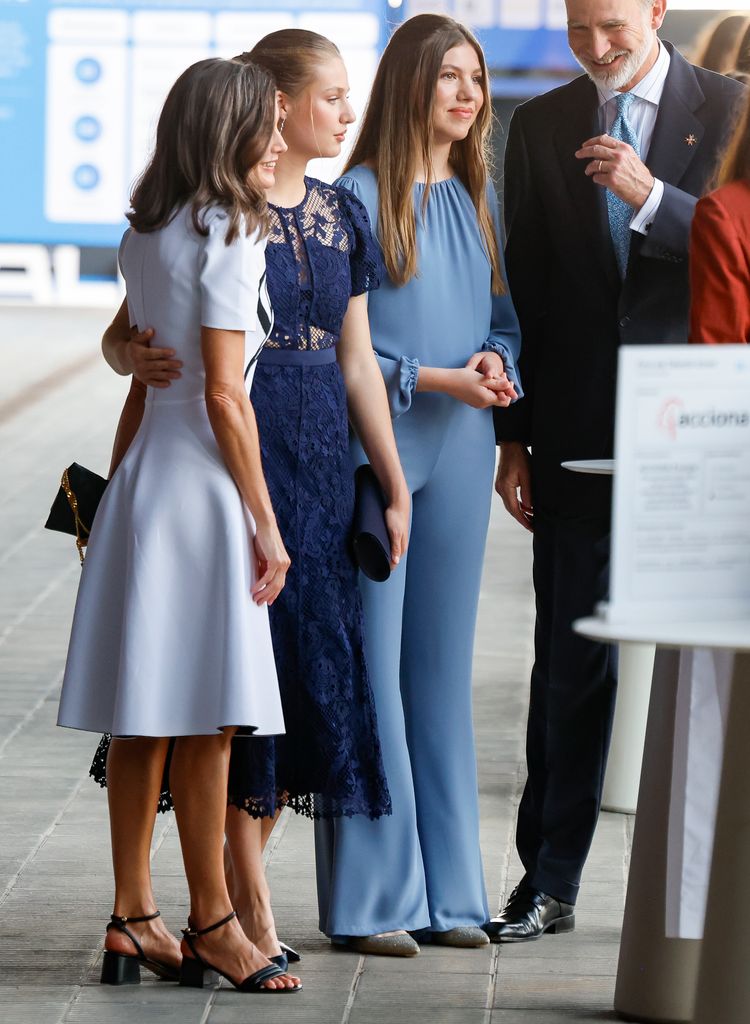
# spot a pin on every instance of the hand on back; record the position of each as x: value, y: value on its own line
x: 154, y: 367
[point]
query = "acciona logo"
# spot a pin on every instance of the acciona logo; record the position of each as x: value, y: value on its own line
x: 673, y: 417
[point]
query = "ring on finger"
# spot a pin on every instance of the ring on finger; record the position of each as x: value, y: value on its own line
x: 599, y: 171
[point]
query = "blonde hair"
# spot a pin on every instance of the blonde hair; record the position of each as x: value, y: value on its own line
x: 215, y: 126
x: 397, y: 132
x: 292, y: 56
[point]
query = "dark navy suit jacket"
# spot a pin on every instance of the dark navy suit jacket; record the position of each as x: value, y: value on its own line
x: 573, y: 308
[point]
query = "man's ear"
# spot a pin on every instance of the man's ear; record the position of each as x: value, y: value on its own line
x: 658, y: 10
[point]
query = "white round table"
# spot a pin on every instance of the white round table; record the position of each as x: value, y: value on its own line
x: 661, y: 979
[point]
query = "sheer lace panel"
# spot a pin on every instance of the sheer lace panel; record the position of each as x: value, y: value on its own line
x: 319, y: 254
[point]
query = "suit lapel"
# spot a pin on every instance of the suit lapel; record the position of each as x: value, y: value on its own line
x: 677, y: 132
x: 579, y: 121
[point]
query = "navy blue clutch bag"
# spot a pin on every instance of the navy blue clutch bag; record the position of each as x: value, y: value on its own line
x: 371, y: 543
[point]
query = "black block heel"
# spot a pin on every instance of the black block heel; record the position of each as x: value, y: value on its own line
x: 193, y: 974
x: 195, y: 968
x: 563, y: 924
x: 124, y: 968
x: 119, y: 969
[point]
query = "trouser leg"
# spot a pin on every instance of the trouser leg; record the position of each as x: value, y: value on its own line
x: 573, y: 687
x: 370, y: 873
x: 450, y: 518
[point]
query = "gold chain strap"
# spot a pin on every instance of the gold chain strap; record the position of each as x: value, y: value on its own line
x: 73, y: 502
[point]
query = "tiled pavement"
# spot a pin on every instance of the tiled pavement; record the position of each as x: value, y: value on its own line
x: 58, y: 404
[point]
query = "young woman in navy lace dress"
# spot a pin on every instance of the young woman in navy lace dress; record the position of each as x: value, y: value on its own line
x: 317, y: 371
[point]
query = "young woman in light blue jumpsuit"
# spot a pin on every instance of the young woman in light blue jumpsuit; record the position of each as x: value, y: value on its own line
x: 421, y: 867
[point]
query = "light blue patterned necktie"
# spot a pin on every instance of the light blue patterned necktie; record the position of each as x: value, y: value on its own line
x: 620, y: 213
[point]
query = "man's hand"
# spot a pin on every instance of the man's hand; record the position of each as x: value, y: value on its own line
x: 617, y: 166
x: 514, y: 477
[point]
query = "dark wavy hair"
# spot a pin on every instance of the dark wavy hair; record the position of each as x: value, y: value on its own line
x: 214, y: 127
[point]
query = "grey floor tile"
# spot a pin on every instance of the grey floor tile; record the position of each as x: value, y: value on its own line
x: 55, y: 882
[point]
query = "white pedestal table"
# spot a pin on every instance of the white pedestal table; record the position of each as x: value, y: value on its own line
x: 674, y: 980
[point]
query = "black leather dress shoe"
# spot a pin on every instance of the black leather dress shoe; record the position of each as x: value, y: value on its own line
x: 528, y: 914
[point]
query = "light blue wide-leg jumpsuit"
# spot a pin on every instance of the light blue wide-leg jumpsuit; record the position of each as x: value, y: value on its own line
x: 421, y: 867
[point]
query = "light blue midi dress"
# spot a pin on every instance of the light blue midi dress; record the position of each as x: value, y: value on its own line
x: 421, y: 867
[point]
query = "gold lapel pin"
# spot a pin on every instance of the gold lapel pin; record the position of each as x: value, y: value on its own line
x: 690, y: 139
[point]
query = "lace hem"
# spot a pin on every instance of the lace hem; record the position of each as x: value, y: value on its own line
x: 308, y: 805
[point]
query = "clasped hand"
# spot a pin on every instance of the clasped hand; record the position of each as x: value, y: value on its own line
x: 483, y: 382
x: 616, y: 166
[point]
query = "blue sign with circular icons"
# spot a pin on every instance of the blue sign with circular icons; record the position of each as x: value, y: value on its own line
x: 88, y: 70
x: 86, y: 177
x: 88, y: 128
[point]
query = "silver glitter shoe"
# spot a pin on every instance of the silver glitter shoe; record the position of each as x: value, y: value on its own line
x: 400, y: 944
x: 465, y: 937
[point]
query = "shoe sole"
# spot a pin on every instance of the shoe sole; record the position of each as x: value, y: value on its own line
x: 364, y: 948
x: 558, y: 927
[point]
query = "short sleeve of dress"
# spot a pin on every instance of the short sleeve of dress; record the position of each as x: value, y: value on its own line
x: 121, y: 250
x: 229, y: 276
x: 364, y: 257
x: 121, y: 264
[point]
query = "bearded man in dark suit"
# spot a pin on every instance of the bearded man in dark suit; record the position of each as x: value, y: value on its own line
x: 601, y: 179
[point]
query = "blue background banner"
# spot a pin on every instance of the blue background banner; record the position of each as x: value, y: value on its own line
x: 81, y: 83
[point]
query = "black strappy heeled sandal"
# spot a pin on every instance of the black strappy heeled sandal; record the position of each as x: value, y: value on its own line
x: 194, y: 967
x: 125, y: 968
x: 286, y: 956
x: 282, y: 961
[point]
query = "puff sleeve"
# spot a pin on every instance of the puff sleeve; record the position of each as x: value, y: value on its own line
x: 365, y: 261
x: 229, y: 276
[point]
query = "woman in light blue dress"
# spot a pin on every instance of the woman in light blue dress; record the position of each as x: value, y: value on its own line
x: 170, y: 636
x: 446, y: 338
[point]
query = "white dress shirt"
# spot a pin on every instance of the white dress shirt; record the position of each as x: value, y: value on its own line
x: 642, y: 116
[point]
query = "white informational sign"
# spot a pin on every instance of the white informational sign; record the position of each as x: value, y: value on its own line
x: 681, y: 524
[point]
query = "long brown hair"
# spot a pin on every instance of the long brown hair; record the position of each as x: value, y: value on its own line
x: 292, y: 56
x: 716, y: 47
x: 397, y: 131
x: 742, y: 60
x: 214, y: 127
x: 735, y: 163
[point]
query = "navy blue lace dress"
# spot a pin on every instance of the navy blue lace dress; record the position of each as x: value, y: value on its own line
x: 328, y: 764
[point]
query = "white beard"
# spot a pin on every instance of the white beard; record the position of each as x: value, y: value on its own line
x: 630, y: 67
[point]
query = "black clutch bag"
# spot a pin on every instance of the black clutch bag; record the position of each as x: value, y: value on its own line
x: 76, y: 503
x: 372, y: 545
